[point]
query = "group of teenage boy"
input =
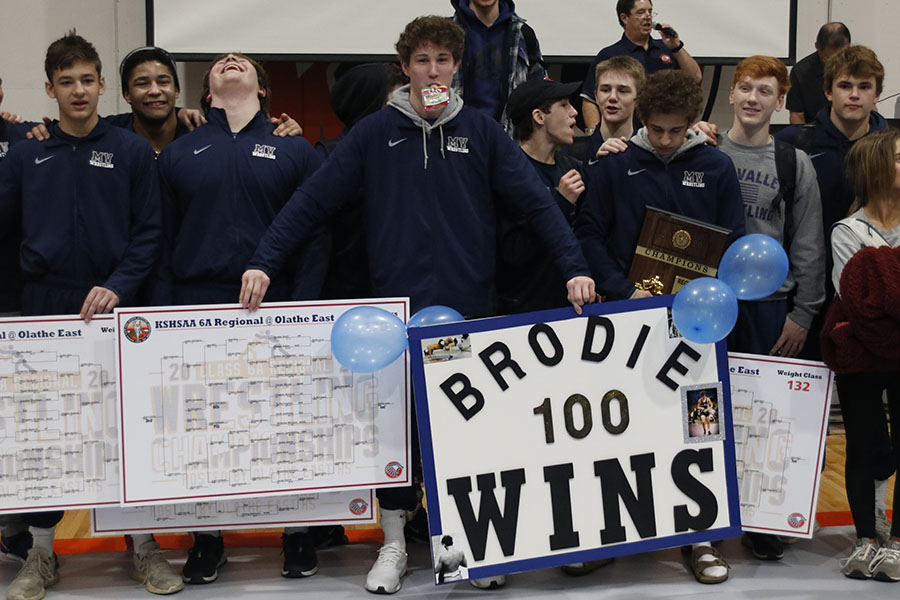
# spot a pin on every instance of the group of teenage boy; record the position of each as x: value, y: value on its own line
x: 430, y: 192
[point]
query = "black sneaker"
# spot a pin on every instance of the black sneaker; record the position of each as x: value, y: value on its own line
x: 204, y: 560
x: 764, y: 546
x: 299, y: 555
x: 328, y: 536
x: 15, y: 548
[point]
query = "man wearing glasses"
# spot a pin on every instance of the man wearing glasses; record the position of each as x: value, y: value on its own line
x: 636, y: 18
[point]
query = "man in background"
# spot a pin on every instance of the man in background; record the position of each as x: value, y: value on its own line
x: 807, y: 95
x: 636, y: 19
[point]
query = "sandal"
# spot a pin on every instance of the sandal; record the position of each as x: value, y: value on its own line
x: 698, y: 566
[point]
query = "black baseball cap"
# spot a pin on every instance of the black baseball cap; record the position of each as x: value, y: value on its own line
x: 534, y: 92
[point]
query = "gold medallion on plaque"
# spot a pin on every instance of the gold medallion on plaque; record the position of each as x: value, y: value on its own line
x: 681, y: 239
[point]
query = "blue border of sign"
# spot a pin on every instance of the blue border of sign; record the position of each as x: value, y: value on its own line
x: 417, y: 334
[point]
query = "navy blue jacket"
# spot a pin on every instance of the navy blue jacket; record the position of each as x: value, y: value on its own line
x: 126, y: 121
x: 220, y: 193
x: 10, y: 272
x: 429, y: 201
x: 620, y: 186
x: 828, y: 148
x: 89, y: 212
x: 527, y: 278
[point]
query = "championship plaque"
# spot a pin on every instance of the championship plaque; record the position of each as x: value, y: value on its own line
x: 673, y: 250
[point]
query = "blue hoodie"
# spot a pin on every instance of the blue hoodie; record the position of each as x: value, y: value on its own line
x: 828, y: 148
x: 89, y: 213
x: 696, y: 181
x: 429, y: 193
x: 221, y: 191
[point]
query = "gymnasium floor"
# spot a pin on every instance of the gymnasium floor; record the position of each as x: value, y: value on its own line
x: 809, y: 569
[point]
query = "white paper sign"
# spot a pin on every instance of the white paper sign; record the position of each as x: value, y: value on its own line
x: 58, y: 437
x: 549, y: 439
x: 217, y: 403
x: 780, y: 408
x: 329, y: 508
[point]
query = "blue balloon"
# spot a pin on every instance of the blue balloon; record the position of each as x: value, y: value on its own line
x: 754, y: 266
x: 433, y: 315
x: 705, y: 310
x: 366, y: 338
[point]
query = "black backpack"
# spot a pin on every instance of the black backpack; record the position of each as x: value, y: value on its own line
x: 786, y: 170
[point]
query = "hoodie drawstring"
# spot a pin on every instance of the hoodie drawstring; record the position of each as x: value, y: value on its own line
x: 425, y: 146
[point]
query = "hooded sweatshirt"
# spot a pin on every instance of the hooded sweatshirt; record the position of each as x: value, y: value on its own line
x: 695, y: 181
x: 89, y: 211
x: 828, y: 148
x: 429, y: 190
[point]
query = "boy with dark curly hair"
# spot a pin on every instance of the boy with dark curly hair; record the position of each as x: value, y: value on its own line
x: 666, y: 165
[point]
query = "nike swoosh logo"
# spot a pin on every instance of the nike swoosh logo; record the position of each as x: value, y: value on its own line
x: 199, y: 150
x: 392, y: 143
x: 593, y: 161
x: 630, y: 172
x: 38, y: 161
x: 817, y: 155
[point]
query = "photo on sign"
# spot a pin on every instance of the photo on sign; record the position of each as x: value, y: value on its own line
x: 447, y: 348
x: 449, y: 552
x: 700, y: 412
x: 673, y: 331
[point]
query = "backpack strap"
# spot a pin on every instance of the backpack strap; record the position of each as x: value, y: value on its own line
x: 868, y: 236
x: 531, y: 45
x: 786, y: 171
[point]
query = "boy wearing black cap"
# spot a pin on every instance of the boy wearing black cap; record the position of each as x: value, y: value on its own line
x: 544, y: 119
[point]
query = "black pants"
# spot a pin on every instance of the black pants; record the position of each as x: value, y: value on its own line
x: 405, y: 498
x: 863, y: 412
x: 36, y: 519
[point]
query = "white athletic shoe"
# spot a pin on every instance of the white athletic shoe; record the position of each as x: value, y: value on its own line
x: 385, y: 575
x: 861, y: 556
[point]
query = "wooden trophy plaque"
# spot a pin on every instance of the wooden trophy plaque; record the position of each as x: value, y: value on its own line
x: 673, y: 250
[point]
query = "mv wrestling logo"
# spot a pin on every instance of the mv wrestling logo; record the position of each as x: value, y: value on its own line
x: 693, y: 179
x: 263, y: 151
x: 137, y: 329
x: 393, y: 470
x: 358, y: 506
x: 4, y: 148
x: 458, y: 144
x: 104, y: 160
